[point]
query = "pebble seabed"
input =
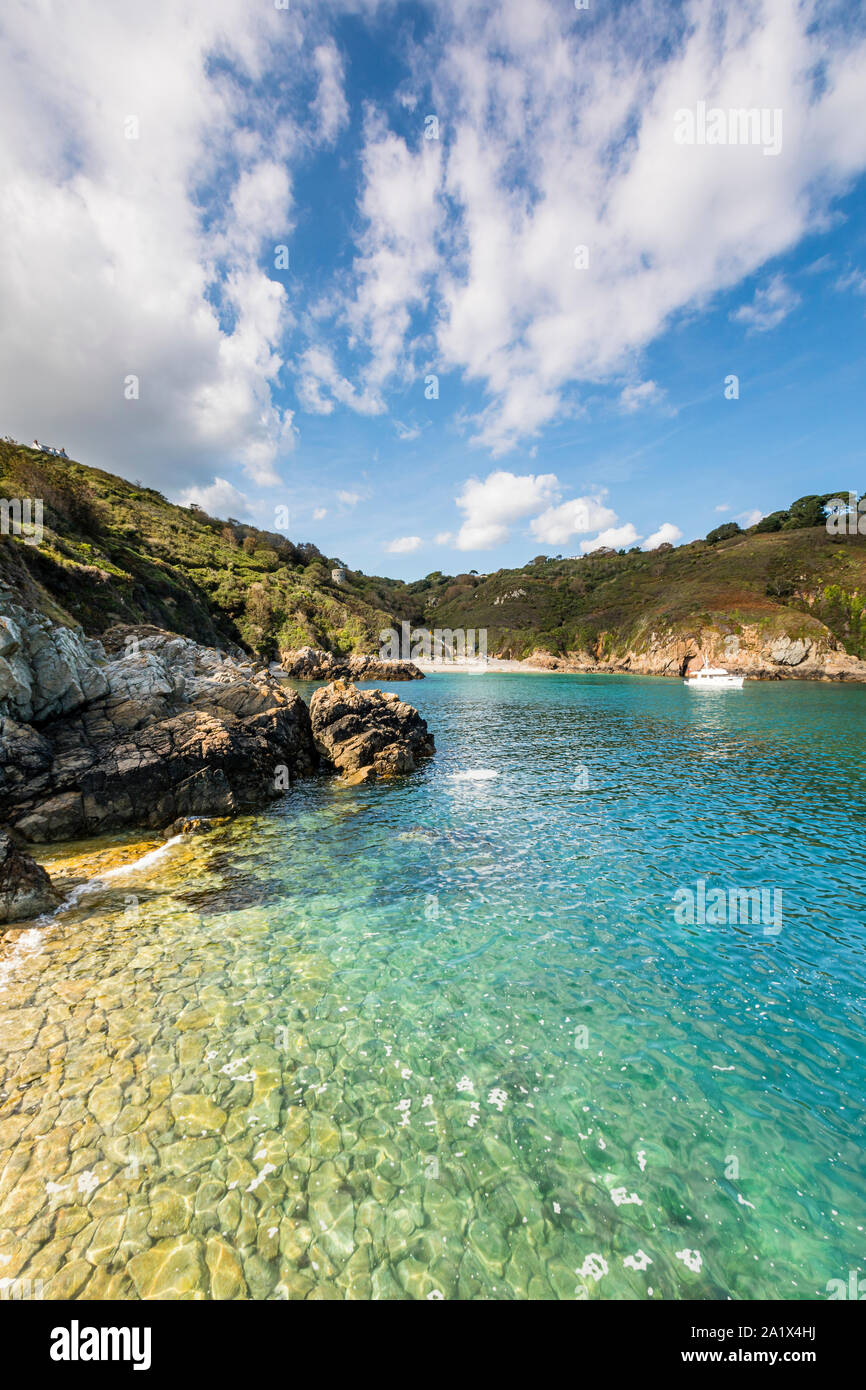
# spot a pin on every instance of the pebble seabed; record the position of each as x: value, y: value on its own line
x: 369, y: 1046
x: 172, y: 1127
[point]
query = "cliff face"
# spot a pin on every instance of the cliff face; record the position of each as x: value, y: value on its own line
x: 772, y: 604
x: 750, y: 652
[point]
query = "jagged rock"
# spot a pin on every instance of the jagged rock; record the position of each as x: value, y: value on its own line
x: 367, y: 733
x: 171, y: 731
x: 45, y: 670
x: 309, y: 664
x: 25, y: 888
x: 150, y: 729
x: 119, y: 765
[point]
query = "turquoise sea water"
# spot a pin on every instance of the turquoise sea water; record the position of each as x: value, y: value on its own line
x: 456, y: 1019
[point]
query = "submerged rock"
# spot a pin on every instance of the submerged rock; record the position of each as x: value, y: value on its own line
x: 25, y: 888
x: 366, y: 734
x: 309, y: 664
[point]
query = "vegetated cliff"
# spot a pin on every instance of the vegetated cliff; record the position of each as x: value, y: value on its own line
x: 782, y: 598
x: 115, y: 552
x: 769, y: 603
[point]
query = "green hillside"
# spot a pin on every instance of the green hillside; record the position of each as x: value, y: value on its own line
x: 115, y: 551
x: 795, y: 581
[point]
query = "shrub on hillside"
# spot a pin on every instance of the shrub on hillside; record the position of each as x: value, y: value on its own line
x: 808, y: 511
x: 724, y: 532
x: 773, y: 522
x: 67, y: 501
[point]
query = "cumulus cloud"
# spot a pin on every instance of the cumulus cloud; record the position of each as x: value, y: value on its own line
x: 561, y: 134
x: 750, y: 518
x: 617, y: 537
x: 392, y: 278
x: 403, y: 545
x: 557, y: 525
x: 349, y: 499
x: 667, y: 534
x: 154, y: 256
x: 330, y: 107
x: 139, y: 198
x: 320, y: 386
x: 221, y: 498
x: 489, y: 507
x: 770, y: 305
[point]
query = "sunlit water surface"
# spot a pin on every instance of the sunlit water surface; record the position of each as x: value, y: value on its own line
x: 445, y: 1038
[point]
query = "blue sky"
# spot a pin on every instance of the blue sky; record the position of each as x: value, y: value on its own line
x: 577, y: 405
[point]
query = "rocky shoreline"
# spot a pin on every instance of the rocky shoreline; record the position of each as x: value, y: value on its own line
x: 747, y: 653
x: 144, y: 728
x: 310, y: 664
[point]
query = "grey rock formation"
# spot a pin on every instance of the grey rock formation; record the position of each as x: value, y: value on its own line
x: 171, y: 730
x: 309, y: 664
x: 789, y: 651
x: 45, y: 670
x: 367, y: 734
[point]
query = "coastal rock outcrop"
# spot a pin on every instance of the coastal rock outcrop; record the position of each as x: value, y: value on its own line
x: 45, y: 670
x: 309, y: 664
x: 749, y: 651
x: 25, y: 888
x: 149, y: 729
x: 173, y: 730
x: 367, y: 734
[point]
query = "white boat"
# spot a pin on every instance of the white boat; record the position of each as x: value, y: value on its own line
x: 713, y: 678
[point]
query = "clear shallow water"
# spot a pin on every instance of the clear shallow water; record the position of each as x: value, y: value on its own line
x: 445, y: 1037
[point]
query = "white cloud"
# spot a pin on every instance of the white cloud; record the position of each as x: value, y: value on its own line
x: 643, y: 393
x: 562, y: 134
x: 320, y: 385
x: 153, y: 256
x: 330, y: 106
x: 557, y: 525
x: 401, y: 212
x: 489, y: 507
x: 617, y: 537
x: 319, y: 513
x: 142, y: 256
x: 444, y: 537
x: 667, y: 534
x: 221, y: 499
x: 771, y: 304
x: 722, y: 507
x: 404, y: 545
x: 750, y: 518
x: 349, y: 499
x: 853, y: 280
x: 406, y: 433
